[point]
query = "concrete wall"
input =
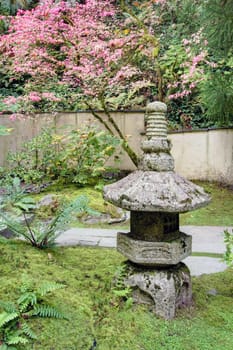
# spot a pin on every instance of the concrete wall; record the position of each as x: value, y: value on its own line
x: 204, y: 155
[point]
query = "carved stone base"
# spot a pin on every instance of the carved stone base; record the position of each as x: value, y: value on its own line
x: 147, y: 253
x: 164, y: 290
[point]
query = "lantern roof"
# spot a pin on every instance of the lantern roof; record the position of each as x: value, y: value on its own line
x: 155, y: 186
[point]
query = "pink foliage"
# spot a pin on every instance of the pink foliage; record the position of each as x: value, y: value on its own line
x: 196, y: 59
x: 77, y: 45
x: 87, y: 48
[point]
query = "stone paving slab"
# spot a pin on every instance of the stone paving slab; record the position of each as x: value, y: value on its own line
x: 199, y: 265
x: 206, y: 239
x: 209, y: 239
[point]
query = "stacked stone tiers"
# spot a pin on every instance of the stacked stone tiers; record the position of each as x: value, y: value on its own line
x: 155, y: 195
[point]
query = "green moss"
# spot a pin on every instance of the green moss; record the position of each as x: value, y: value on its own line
x: 68, y: 193
x: 95, y: 313
x: 218, y: 213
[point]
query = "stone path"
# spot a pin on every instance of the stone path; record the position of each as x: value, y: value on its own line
x: 206, y: 239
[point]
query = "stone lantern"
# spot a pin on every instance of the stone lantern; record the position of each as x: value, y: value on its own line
x: 155, y: 195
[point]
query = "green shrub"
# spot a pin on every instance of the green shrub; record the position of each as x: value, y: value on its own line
x: 15, y: 199
x: 78, y: 156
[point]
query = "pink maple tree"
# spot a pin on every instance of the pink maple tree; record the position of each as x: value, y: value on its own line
x: 92, y: 51
x: 82, y: 46
x: 88, y: 48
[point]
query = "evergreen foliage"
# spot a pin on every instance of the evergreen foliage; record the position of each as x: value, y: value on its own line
x: 217, y: 19
x: 217, y: 89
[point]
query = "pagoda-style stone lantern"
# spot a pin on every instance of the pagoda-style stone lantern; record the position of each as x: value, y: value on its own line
x: 155, y: 195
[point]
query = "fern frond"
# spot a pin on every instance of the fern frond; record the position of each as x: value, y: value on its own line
x: 6, y: 317
x: 79, y: 205
x: 15, y: 226
x: 7, y: 306
x: 27, y: 299
x: 28, y: 331
x: 48, y: 287
x: 47, y: 311
x: 26, y: 285
x: 17, y: 339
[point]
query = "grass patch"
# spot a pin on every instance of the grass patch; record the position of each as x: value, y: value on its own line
x: 97, y: 315
x: 207, y: 254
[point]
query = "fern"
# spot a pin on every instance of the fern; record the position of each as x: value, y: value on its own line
x: 47, y: 311
x: 43, y: 236
x: 28, y: 331
x: 6, y: 317
x: 26, y: 300
x: 7, y: 306
x: 17, y: 339
x: 49, y: 287
x: 26, y: 285
x: 14, y: 328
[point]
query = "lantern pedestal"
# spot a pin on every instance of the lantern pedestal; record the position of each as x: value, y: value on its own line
x: 163, y: 289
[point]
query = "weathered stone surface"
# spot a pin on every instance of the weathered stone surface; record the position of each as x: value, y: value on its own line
x: 164, y: 290
x: 159, y: 161
x: 155, y: 186
x: 156, y: 124
x: 7, y: 233
x: 156, y: 148
x: 106, y: 218
x: 156, y: 145
x: 47, y: 201
x: 170, y: 252
x: 156, y: 106
x: 156, y: 191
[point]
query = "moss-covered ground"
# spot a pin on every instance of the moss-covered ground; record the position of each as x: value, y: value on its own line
x: 218, y: 213
x: 98, y: 319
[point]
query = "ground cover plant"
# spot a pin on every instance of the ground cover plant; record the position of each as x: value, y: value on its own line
x: 98, y: 319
